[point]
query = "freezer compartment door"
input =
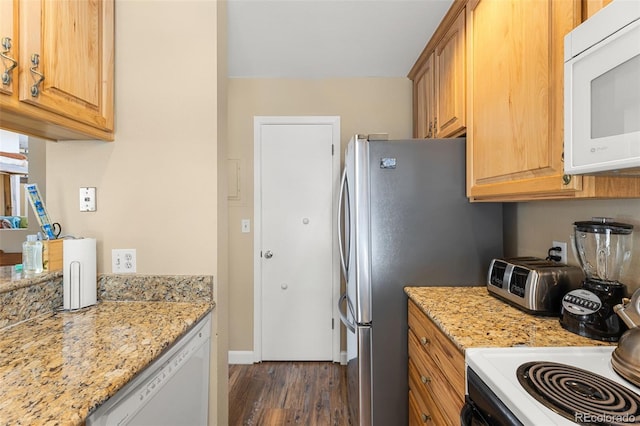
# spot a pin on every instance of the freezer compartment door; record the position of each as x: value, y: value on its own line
x: 359, y: 375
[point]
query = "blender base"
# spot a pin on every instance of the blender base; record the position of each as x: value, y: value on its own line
x: 589, y: 311
x: 591, y: 328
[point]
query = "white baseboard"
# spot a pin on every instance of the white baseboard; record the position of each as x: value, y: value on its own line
x: 343, y: 357
x: 241, y: 357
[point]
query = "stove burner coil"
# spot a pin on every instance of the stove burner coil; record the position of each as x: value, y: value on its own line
x: 579, y: 395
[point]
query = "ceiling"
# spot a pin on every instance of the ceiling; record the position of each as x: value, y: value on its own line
x: 329, y: 38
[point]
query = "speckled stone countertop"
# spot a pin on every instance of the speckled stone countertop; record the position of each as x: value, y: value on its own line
x: 10, y: 279
x: 56, y: 367
x: 471, y: 317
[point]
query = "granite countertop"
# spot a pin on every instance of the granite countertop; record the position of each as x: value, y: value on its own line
x: 11, y: 279
x: 56, y: 366
x: 471, y: 317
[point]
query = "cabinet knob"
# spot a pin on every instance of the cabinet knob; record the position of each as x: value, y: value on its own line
x: 424, y: 341
x: 425, y: 417
x: 425, y: 379
x: 35, y: 61
x: 6, y: 75
x: 566, y: 179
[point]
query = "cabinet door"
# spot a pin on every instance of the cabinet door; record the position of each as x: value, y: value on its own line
x: 8, y: 47
x: 74, y: 43
x: 515, y: 141
x: 424, y: 100
x: 450, y: 76
x: 590, y: 7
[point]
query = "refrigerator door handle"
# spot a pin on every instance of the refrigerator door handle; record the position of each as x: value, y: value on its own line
x: 343, y: 186
x: 343, y: 317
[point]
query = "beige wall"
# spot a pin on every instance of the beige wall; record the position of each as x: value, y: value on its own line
x: 366, y: 105
x: 157, y: 184
x: 532, y: 227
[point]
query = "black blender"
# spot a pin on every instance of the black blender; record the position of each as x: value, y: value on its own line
x: 604, y: 250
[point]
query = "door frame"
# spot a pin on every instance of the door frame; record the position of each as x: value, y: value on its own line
x: 259, y: 121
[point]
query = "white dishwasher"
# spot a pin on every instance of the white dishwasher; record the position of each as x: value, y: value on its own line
x: 174, y: 390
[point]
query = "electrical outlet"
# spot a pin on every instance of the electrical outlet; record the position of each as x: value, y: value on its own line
x: 123, y: 261
x: 562, y: 252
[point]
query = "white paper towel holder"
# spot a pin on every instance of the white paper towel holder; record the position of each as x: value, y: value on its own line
x: 79, y: 273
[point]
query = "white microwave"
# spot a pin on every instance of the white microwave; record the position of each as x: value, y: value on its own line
x: 602, y: 92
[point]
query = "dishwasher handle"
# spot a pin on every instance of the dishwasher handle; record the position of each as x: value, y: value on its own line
x: 343, y: 317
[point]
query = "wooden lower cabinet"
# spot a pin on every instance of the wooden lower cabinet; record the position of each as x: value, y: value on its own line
x: 436, y: 373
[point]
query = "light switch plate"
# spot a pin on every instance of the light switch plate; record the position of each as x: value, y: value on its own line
x: 245, y: 226
x: 88, y: 199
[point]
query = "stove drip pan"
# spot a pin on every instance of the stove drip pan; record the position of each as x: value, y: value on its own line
x: 579, y: 395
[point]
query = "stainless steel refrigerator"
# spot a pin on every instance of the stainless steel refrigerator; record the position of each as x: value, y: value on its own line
x: 405, y: 221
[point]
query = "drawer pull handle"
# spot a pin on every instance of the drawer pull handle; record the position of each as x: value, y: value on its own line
x: 424, y: 340
x: 425, y: 417
x: 425, y: 380
x: 6, y: 75
x: 35, y: 61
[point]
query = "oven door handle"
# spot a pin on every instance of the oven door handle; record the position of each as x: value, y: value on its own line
x: 469, y: 415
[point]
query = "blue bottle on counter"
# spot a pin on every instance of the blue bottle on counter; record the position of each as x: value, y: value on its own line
x: 32, y: 255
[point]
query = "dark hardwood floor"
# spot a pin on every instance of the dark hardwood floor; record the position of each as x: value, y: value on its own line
x: 282, y: 393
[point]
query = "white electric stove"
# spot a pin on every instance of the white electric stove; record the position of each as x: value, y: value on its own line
x: 611, y: 400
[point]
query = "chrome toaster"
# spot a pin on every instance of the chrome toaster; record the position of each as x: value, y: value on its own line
x: 534, y: 285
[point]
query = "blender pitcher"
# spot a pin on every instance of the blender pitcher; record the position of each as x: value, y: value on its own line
x: 603, y: 247
x: 604, y: 250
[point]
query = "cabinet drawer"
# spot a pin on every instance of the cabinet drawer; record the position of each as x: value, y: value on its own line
x: 434, y: 342
x: 448, y: 396
x: 427, y: 410
x: 414, y: 412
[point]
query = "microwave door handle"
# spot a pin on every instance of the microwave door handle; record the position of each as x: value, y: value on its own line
x: 343, y: 184
x: 343, y: 317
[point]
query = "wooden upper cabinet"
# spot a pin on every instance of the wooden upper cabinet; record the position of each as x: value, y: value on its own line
x: 74, y: 43
x: 590, y: 7
x: 515, y: 104
x: 439, y: 95
x: 8, y: 40
x: 63, y: 86
x: 450, y: 56
x: 515, y: 83
x: 424, y: 100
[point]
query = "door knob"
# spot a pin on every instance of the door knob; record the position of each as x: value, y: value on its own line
x: 268, y: 254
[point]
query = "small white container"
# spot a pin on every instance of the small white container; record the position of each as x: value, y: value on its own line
x: 32, y: 255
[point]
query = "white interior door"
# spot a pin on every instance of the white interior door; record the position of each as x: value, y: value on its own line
x: 296, y: 249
